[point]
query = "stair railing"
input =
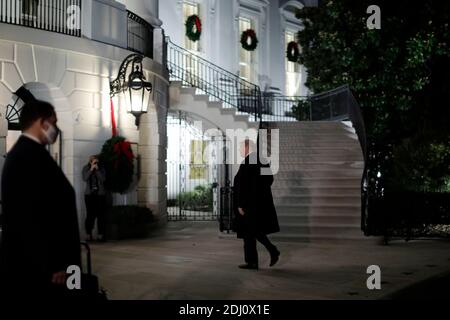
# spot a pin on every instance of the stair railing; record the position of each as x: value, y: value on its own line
x: 220, y: 84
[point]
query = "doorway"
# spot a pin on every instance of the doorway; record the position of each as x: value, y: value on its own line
x: 194, y: 172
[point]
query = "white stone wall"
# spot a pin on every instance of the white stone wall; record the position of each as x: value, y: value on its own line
x: 146, y: 9
x: 77, y: 84
x: 105, y: 21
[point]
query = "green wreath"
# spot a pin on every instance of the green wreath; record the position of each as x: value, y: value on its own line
x: 117, y: 159
x: 293, y: 51
x: 193, y: 27
x: 249, y: 41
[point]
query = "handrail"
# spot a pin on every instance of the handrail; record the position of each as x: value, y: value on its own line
x: 140, y: 35
x: 331, y: 105
x: 206, y: 61
x: 342, y: 88
x: 50, y: 15
x: 220, y: 84
x: 356, y: 117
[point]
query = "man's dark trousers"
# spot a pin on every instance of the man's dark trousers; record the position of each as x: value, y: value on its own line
x: 250, y: 251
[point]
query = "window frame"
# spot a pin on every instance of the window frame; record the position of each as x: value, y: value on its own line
x: 253, y: 64
x: 297, y: 73
x: 189, y: 44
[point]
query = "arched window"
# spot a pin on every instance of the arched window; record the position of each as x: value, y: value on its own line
x: 19, y: 98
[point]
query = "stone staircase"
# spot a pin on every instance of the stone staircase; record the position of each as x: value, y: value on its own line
x: 317, y: 189
x: 216, y: 113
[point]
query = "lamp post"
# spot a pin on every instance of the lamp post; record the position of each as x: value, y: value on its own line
x: 134, y: 87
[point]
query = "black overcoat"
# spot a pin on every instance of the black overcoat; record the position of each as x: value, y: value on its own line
x: 252, y: 193
x: 40, y: 224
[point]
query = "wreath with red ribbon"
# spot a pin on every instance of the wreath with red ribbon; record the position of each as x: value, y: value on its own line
x: 249, y: 41
x: 193, y: 27
x: 117, y: 158
x: 293, y: 51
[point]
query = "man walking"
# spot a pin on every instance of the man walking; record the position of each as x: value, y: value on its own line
x: 40, y: 237
x: 254, y: 208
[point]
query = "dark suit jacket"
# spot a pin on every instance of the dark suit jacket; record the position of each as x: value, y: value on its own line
x: 252, y: 193
x: 40, y: 224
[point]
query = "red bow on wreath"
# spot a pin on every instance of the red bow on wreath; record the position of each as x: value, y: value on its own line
x: 198, y: 24
x: 123, y: 147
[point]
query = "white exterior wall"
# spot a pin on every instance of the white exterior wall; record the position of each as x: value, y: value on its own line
x: 105, y: 21
x: 74, y: 74
x: 146, y: 9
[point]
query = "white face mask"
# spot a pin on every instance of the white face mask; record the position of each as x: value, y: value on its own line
x: 51, y: 134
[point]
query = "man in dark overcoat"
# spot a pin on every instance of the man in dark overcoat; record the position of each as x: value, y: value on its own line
x: 255, y: 212
x: 40, y: 237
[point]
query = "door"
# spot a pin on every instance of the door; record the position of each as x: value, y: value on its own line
x: 193, y: 173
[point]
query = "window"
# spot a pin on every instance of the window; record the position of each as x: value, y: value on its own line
x: 191, y: 63
x: 189, y: 9
x: 293, y: 70
x: 247, y: 59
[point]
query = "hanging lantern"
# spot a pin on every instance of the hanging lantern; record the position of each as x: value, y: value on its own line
x: 136, y: 90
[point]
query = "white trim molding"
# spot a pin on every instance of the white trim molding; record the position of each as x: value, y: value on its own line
x: 288, y: 18
x: 258, y: 11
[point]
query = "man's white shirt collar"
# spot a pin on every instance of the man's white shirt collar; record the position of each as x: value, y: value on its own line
x: 29, y: 136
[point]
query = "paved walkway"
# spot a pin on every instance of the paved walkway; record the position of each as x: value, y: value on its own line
x: 191, y: 261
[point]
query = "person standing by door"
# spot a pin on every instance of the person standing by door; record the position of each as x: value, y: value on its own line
x: 95, y: 198
x: 255, y: 212
x: 40, y: 237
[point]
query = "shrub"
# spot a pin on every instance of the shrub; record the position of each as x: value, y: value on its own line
x: 201, y: 199
x: 128, y: 222
x: 421, y: 164
x: 302, y: 110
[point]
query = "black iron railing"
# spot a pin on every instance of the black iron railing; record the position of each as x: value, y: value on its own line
x: 218, y: 83
x: 62, y: 16
x: 226, y: 217
x: 331, y: 105
x: 338, y: 104
x: 282, y: 108
x: 140, y: 35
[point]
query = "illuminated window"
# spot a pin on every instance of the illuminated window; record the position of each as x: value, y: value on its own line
x: 293, y: 70
x: 247, y: 59
x: 189, y: 9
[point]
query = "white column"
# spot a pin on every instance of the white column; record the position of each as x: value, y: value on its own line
x: 3, y: 135
x: 152, y: 191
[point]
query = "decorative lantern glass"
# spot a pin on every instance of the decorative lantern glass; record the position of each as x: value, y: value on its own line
x: 135, y: 89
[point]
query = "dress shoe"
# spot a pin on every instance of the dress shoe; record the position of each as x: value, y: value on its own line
x: 274, y: 257
x: 249, y: 266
